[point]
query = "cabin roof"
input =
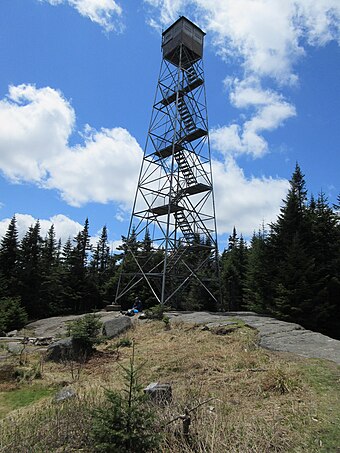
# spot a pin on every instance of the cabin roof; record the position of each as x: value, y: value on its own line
x: 185, y: 19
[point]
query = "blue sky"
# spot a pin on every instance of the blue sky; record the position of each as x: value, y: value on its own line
x: 77, y: 82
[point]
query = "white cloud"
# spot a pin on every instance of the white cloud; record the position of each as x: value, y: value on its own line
x: 169, y: 10
x: 104, y: 169
x: 245, y: 202
x: 268, y: 111
x: 64, y: 226
x: 266, y: 39
x: 267, y: 35
x: 35, y: 126
x: 106, y: 13
x: 321, y: 20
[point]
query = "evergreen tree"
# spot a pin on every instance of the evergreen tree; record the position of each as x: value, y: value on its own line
x: 291, y: 258
x: 9, y: 255
x: 101, y: 268
x: 129, y: 269
x: 51, y: 289
x: 325, y: 243
x: 203, y: 290
x: 30, y: 271
x: 85, y: 293
x: 258, y: 294
x: 234, y: 272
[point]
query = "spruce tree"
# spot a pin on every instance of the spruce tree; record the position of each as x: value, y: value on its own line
x: 30, y: 271
x: 258, y: 294
x: 9, y: 256
x: 325, y: 243
x: 234, y: 261
x: 51, y: 289
x: 291, y: 255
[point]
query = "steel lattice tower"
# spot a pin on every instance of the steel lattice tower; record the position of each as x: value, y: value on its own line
x: 174, y: 200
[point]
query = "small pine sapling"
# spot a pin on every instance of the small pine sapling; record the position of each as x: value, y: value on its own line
x: 126, y: 423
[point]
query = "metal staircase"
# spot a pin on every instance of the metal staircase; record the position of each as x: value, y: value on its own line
x: 186, y: 117
x: 192, y: 76
x: 185, y: 168
x: 184, y: 226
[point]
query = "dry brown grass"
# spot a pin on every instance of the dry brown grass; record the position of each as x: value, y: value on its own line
x: 263, y: 402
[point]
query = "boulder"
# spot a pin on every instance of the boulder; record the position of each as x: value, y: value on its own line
x: 114, y: 327
x: 60, y: 349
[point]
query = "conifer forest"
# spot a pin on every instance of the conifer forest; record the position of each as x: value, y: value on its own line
x: 290, y: 269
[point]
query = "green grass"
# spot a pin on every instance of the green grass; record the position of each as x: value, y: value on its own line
x: 21, y: 397
x: 263, y: 401
x: 325, y: 379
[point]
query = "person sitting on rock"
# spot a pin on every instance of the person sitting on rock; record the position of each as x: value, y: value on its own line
x: 137, y: 305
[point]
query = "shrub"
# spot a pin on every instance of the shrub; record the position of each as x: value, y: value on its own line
x: 85, y: 331
x: 156, y: 312
x: 126, y: 423
x: 12, y: 314
x: 124, y: 343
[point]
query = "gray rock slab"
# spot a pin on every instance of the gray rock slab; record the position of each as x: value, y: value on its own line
x: 273, y: 334
x: 57, y: 326
x: 114, y: 327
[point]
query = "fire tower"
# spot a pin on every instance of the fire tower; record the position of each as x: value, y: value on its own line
x: 174, y: 203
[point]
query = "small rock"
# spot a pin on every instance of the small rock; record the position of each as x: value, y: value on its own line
x: 64, y: 394
x: 159, y: 393
x: 223, y: 330
x: 14, y: 347
x: 205, y: 327
x: 12, y: 333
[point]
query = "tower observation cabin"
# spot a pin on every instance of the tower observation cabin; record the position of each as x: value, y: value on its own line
x: 186, y: 33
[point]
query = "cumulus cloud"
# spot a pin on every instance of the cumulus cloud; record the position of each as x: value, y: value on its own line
x: 35, y: 127
x: 268, y: 110
x: 245, y: 202
x: 266, y: 39
x: 29, y: 118
x: 267, y: 36
x: 106, y: 13
x: 104, y: 169
x: 64, y: 226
